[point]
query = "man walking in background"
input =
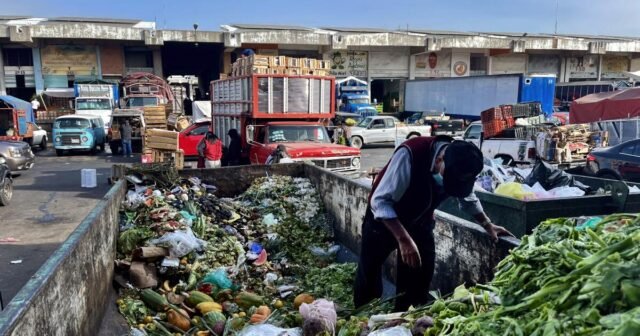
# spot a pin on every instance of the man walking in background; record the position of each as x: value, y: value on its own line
x: 125, y: 135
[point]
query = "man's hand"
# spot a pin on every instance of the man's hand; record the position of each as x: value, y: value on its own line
x: 409, y: 252
x: 494, y: 231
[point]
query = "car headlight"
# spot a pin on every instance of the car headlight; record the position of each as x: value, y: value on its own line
x: 57, y: 139
x: 355, y: 162
x: 85, y: 139
x: 15, y: 152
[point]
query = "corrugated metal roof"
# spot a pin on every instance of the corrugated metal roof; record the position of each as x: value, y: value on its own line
x: 357, y: 29
x: 267, y: 26
x: 439, y: 32
x: 95, y: 20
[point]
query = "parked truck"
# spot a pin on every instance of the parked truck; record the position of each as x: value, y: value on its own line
x: 352, y: 95
x: 384, y: 129
x: 465, y: 97
x: 96, y: 98
x: 143, y: 89
x: 272, y: 110
x: 17, y: 122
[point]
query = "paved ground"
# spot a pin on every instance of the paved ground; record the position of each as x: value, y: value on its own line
x: 376, y: 156
x: 48, y: 204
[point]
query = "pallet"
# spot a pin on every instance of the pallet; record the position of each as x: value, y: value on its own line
x: 165, y: 156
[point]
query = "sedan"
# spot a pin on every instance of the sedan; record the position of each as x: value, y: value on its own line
x: 620, y: 162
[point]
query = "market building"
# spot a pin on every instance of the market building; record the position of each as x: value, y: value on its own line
x: 48, y: 55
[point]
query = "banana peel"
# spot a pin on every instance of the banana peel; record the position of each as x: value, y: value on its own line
x: 167, y: 287
x: 234, y: 217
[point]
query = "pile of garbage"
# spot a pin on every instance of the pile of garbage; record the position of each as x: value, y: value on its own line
x: 263, y: 263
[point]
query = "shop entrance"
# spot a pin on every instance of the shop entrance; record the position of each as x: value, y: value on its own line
x: 385, y: 94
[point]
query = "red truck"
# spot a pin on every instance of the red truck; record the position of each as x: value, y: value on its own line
x: 269, y: 110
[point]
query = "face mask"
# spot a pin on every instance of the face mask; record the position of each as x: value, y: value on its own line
x: 438, y: 179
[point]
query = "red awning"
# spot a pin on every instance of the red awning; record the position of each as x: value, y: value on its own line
x: 612, y: 105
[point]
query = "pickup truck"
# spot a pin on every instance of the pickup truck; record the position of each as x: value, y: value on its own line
x: 384, y: 129
x: 510, y: 151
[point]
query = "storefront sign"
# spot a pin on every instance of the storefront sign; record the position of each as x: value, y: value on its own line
x: 432, y: 64
x: 349, y: 63
x: 460, y: 64
x: 615, y: 66
x: 69, y: 60
x: 582, y: 67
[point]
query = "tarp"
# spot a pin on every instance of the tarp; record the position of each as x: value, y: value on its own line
x: 19, y: 104
x: 611, y: 105
x: 201, y: 111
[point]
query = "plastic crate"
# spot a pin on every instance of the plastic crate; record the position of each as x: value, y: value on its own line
x: 494, y: 113
x: 493, y: 128
x: 510, y: 122
x: 521, y: 111
x: 507, y: 111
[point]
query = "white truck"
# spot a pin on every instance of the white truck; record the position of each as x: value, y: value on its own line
x: 96, y: 99
x: 384, y: 129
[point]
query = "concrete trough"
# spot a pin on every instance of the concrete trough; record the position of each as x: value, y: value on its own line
x: 69, y: 294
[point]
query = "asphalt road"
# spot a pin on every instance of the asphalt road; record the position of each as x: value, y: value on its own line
x: 48, y: 204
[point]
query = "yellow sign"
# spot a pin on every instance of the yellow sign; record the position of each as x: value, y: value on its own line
x: 69, y: 60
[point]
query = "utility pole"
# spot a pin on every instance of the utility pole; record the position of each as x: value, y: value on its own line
x: 555, y: 31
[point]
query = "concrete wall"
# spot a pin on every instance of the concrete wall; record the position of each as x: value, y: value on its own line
x: 69, y: 293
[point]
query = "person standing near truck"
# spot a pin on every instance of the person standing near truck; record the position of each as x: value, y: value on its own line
x: 234, y: 154
x: 125, y: 138
x: 210, y: 148
x: 422, y: 172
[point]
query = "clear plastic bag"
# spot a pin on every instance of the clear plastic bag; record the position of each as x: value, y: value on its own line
x: 180, y: 243
x: 268, y: 330
x: 322, y: 310
x: 395, y: 331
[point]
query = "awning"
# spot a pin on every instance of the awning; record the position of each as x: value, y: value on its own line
x: 60, y: 92
x: 602, y: 106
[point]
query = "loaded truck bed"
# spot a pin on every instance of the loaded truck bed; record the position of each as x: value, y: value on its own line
x: 72, y: 289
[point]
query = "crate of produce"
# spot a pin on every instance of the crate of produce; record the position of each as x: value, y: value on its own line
x: 277, y: 61
x: 161, y: 139
x: 494, y: 113
x: 493, y: 128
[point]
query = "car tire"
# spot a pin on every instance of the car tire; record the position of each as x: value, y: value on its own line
x: 59, y: 152
x: 412, y: 135
x: 43, y: 143
x: 6, y: 191
x: 356, y: 142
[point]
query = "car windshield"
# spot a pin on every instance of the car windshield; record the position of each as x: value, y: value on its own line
x: 359, y: 101
x: 93, y: 104
x: 296, y: 133
x: 364, y: 123
x: 72, y: 123
x: 142, y: 101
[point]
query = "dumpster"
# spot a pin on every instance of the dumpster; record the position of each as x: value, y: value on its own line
x: 520, y: 217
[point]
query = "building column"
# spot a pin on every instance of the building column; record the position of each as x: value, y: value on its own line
x: 157, y: 62
x: 99, y: 62
x: 3, y: 87
x: 599, y: 67
x: 37, y: 70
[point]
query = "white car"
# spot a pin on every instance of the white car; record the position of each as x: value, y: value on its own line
x: 384, y: 129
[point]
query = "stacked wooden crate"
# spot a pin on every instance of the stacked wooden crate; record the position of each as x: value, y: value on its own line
x: 156, y: 116
x: 279, y: 65
x: 163, y: 146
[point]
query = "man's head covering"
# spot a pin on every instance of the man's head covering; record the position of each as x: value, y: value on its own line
x: 463, y: 162
x: 248, y: 52
x: 233, y: 133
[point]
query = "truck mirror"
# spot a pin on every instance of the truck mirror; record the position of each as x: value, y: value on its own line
x: 250, y: 130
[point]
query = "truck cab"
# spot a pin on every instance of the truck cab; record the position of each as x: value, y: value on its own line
x: 305, y: 141
x: 141, y: 101
x: 136, y: 120
x: 98, y: 106
x: 353, y: 96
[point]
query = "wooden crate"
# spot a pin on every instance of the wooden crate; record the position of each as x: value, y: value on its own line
x: 293, y: 62
x: 294, y: 71
x: 164, y: 156
x: 278, y: 70
x: 161, y: 139
x: 277, y: 61
x: 257, y: 60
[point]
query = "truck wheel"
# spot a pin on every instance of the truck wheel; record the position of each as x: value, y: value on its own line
x: 59, y: 152
x: 412, y: 135
x: 43, y: 143
x: 6, y: 191
x: 356, y: 142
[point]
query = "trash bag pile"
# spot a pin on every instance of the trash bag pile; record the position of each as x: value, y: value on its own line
x: 263, y: 263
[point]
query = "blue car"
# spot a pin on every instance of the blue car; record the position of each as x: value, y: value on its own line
x: 77, y: 132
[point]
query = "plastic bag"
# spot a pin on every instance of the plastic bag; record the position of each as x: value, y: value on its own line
x: 269, y: 330
x: 188, y: 218
x: 395, y: 331
x: 566, y: 192
x: 269, y: 220
x: 551, y: 178
x: 515, y: 190
x: 219, y: 278
x: 323, y: 253
x: 180, y: 243
x: 322, y: 310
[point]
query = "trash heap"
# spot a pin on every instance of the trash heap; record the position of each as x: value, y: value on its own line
x: 570, y: 277
x: 263, y: 263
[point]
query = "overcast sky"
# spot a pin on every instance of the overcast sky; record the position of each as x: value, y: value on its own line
x: 597, y: 17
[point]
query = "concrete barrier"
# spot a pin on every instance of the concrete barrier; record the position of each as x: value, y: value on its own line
x: 68, y: 294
